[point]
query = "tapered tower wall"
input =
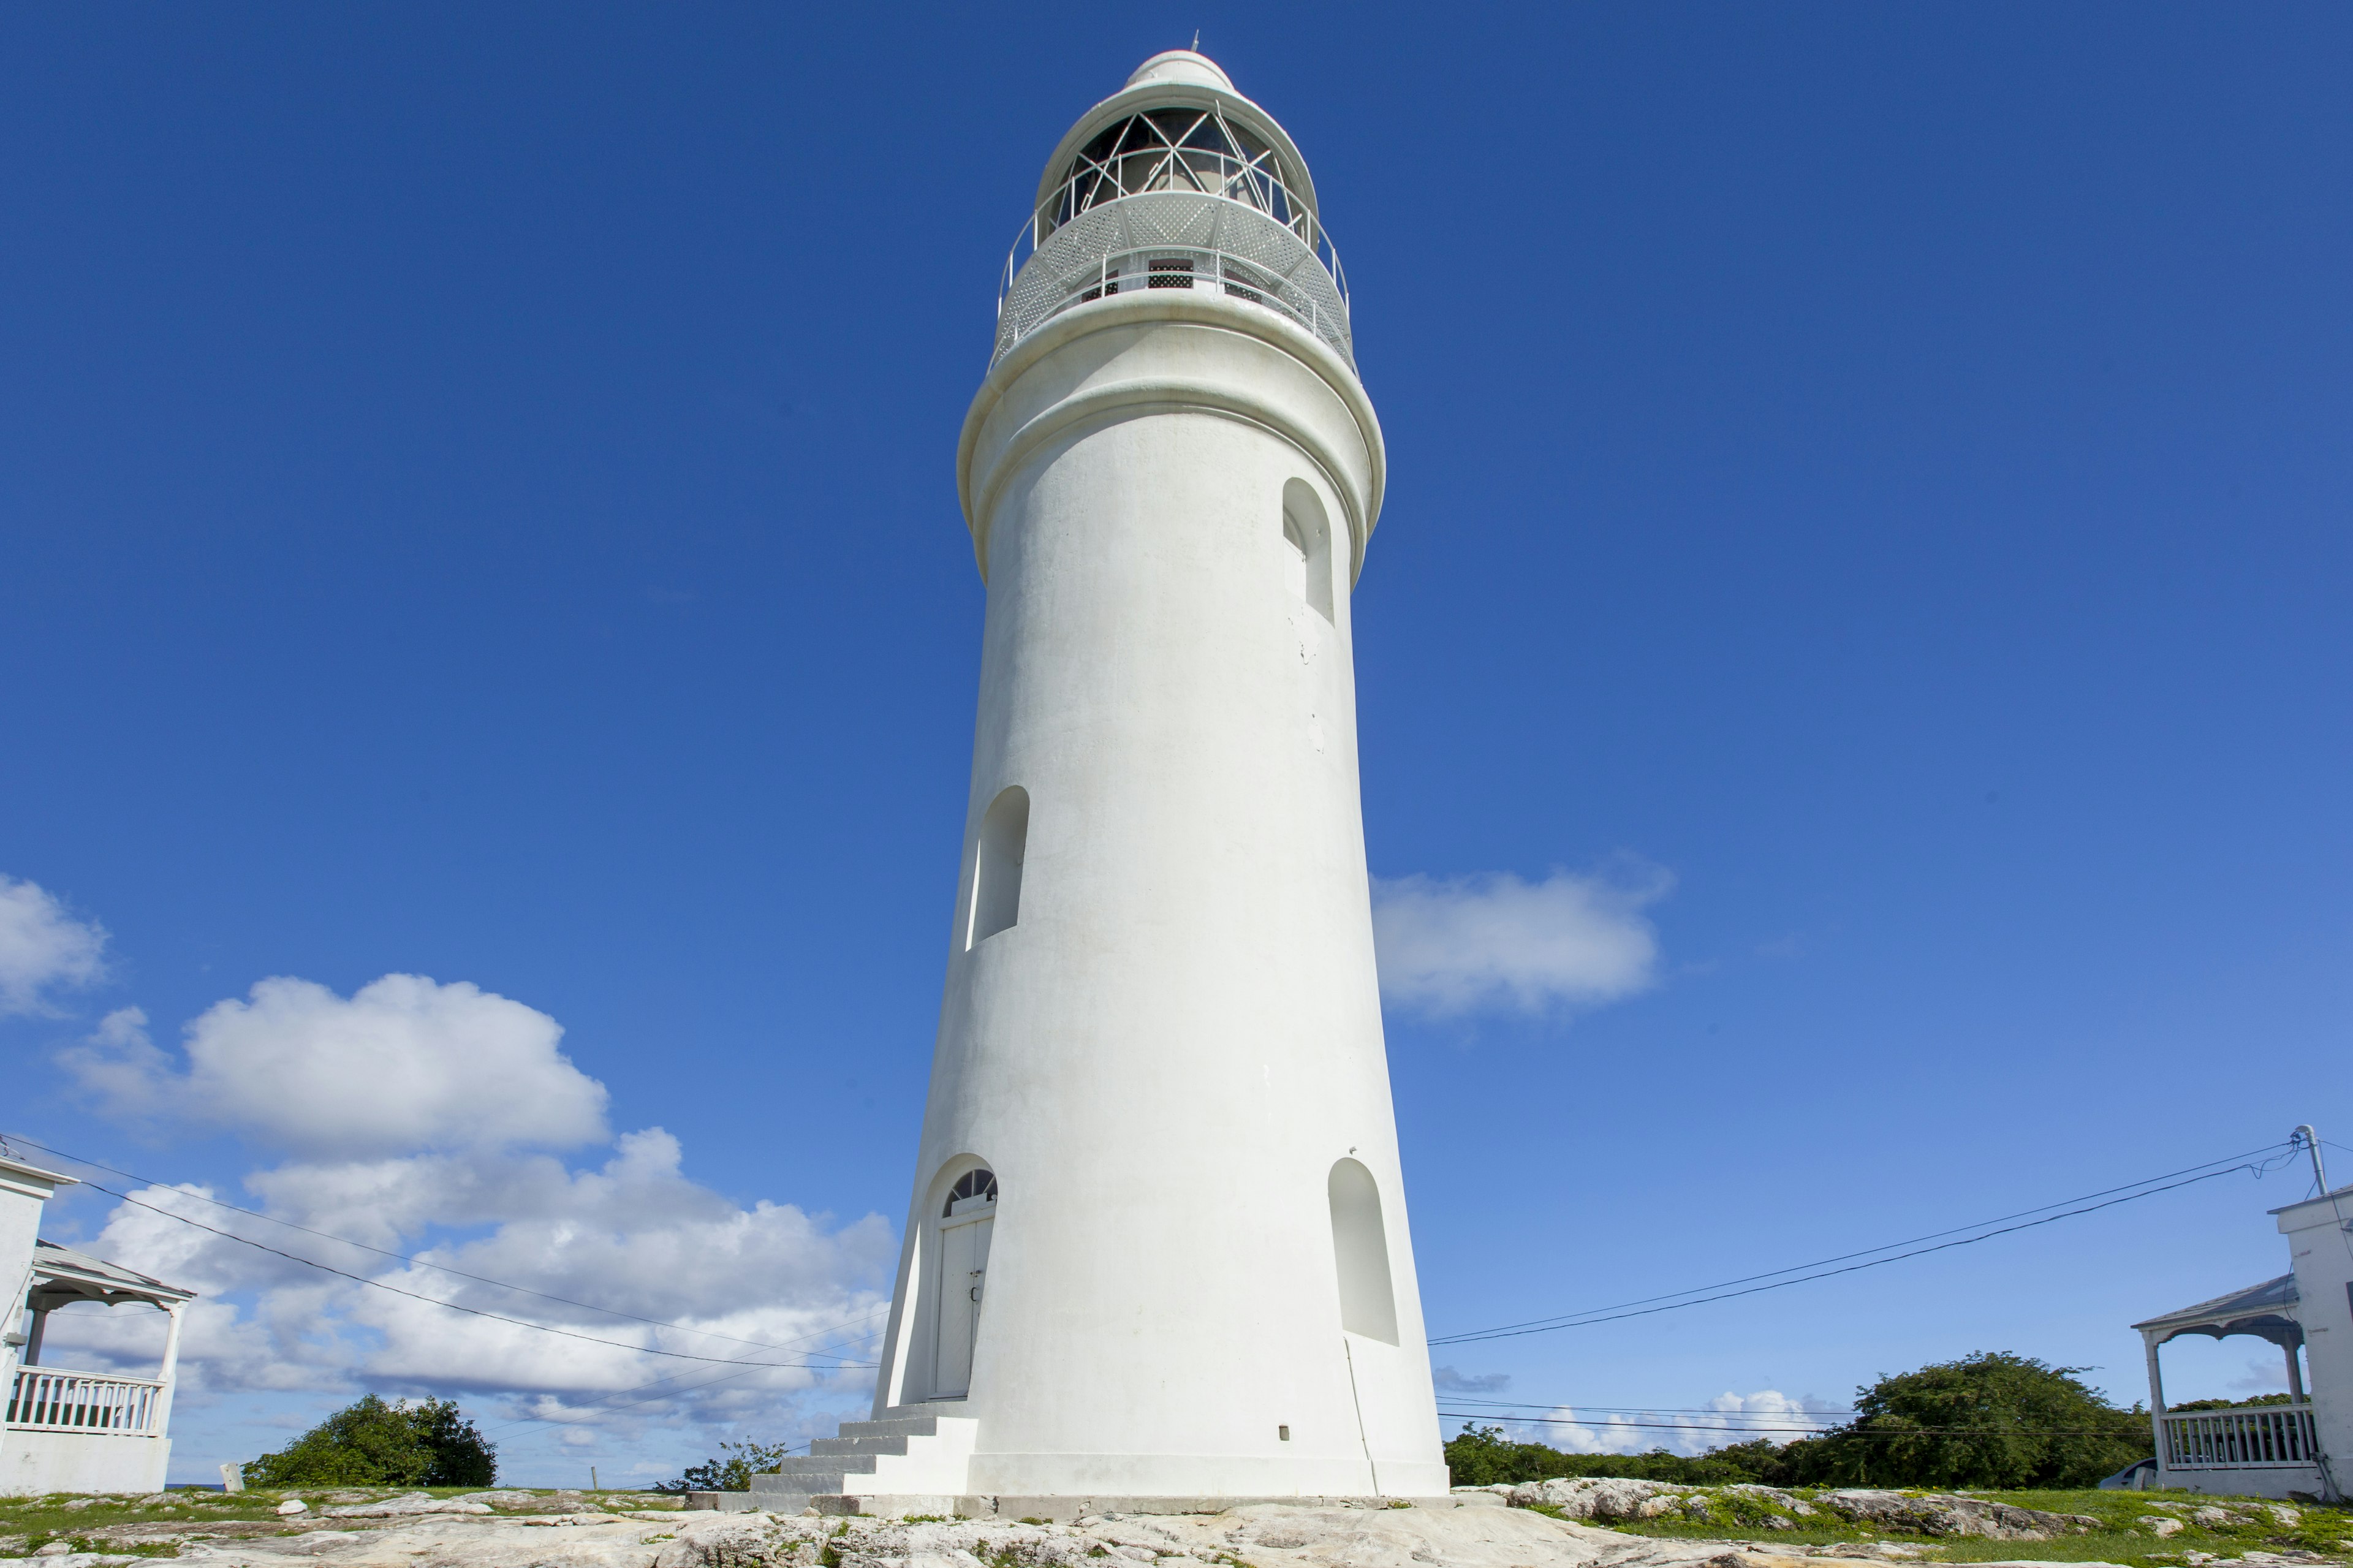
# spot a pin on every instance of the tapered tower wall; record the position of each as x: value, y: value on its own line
x: 1198, y: 1277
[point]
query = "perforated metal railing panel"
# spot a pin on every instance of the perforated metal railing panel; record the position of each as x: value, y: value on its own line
x: 1128, y: 243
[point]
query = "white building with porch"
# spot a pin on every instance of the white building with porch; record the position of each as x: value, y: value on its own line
x: 68, y: 1430
x: 2277, y: 1449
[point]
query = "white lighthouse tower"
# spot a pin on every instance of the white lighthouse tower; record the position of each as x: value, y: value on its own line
x: 1158, y: 1245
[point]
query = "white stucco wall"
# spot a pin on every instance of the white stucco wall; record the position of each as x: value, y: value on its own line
x: 2321, y: 1252
x: 2274, y: 1481
x: 22, y: 1191
x: 1165, y: 1056
x: 38, y: 1462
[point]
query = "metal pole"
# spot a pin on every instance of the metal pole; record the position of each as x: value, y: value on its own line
x: 2311, y: 1140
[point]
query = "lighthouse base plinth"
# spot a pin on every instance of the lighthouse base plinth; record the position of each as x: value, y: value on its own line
x: 917, y: 1462
x: 1063, y: 1510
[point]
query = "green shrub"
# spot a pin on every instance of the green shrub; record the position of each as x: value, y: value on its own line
x: 1484, y: 1455
x: 733, y: 1470
x: 2259, y: 1399
x: 375, y: 1444
x: 1992, y: 1420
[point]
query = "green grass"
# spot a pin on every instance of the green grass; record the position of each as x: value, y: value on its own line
x: 131, y: 1525
x: 2121, y: 1537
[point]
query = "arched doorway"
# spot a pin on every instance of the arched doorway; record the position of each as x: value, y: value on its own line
x: 964, y: 1224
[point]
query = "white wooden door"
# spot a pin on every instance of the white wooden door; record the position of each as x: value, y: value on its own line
x: 964, y: 1266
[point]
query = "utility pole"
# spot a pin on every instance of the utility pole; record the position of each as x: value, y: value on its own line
x: 2311, y: 1141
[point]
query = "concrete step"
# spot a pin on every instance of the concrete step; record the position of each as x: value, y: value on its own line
x: 838, y: 1464
x: 826, y: 1447
x: 928, y: 1407
x: 894, y: 1427
x: 819, y: 1478
x: 814, y: 1474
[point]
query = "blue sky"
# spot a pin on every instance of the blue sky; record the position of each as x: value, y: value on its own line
x: 1867, y: 517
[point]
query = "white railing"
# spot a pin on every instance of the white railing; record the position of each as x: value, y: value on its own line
x: 1174, y: 240
x: 2265, y: 1435
x: 1186, y: 267
x: 50, y: 1400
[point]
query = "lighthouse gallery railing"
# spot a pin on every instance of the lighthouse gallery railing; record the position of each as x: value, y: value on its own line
x: 1172, y: 239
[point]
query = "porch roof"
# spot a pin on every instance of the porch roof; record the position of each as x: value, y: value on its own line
x: 61, y: 1275
x: 2266, y: 1310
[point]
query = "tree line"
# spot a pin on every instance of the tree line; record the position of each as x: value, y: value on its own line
x: 1991, y: 1420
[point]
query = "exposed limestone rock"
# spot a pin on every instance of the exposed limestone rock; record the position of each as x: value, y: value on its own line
x: 1468, y: 1531
x: 1601, y: 1497
x: 408, y: 1503
x: 1939, y: 1515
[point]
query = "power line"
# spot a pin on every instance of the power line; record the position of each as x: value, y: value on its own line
x: 744, y: 1368
x: 1638, y: 1409
x: 648, y: 1399
x: 472, y: 1311
x: 1657, y: 1425
x: 1811, y: 1431
x: 1565, y: 1318
x: 403, y: 1257
x: 689, y: 1388
x: 1642, y: 1309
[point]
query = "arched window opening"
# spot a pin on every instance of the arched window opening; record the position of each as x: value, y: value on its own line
x: 1294, y: 556
x: 973, y: 1190
x: 1360, y: 1249
x: 1307, y: 547
x: 997, y: 867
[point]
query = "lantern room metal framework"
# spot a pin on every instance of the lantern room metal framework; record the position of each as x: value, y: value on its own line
x: 1156, y: 195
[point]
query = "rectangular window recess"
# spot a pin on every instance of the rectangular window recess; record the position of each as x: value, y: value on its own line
x: 1283, y: 1433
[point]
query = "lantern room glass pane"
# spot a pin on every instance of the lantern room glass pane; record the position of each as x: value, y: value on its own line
x: 1173, y: 150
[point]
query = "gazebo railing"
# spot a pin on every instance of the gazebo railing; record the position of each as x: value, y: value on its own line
x: 2269, y: 1435
x: 48, y: 1399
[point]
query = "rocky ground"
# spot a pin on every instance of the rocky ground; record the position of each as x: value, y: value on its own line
x: 1550, y: 1528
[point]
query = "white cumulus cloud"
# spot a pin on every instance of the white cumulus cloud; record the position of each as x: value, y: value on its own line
x: 402, y: 1064
x: 426, y: 1120
x: 673, y: 1267
x: 43, y: 948
x: 1450, y: 945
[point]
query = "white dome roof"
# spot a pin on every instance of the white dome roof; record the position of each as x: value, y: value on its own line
x: 1182, y: 64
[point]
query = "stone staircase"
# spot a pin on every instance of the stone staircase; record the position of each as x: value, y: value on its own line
x: 918, y: 1451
